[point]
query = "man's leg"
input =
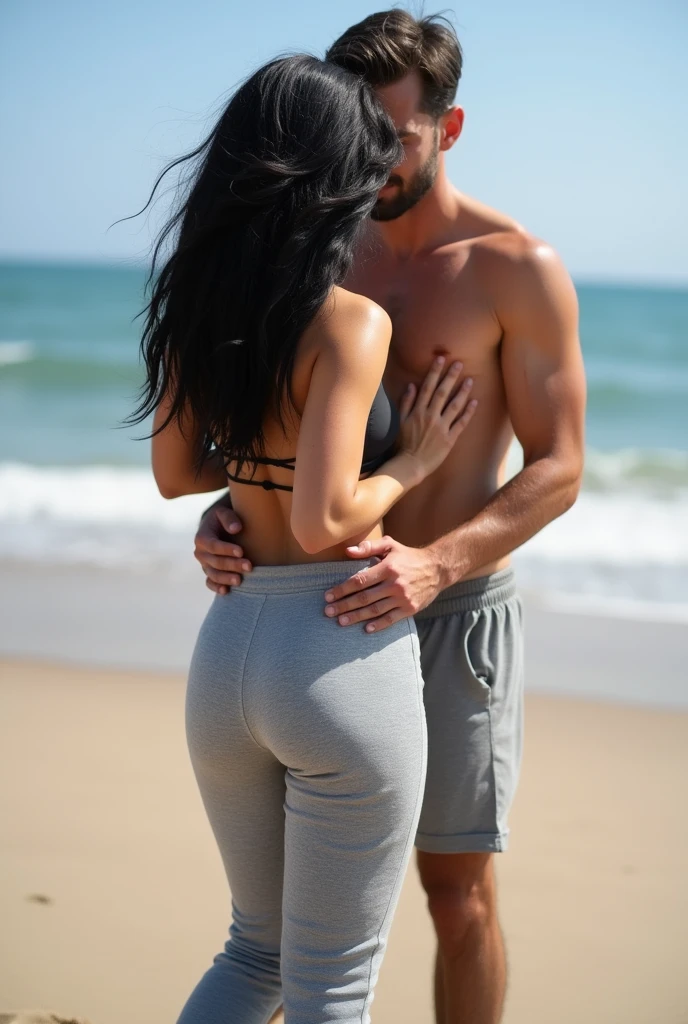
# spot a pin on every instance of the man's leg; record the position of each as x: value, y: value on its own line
x: 470, y: 969
x: 471, y: 653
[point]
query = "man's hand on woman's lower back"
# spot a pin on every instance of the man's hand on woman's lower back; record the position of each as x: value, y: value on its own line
x: 404, y: 581
x: 222, y: 560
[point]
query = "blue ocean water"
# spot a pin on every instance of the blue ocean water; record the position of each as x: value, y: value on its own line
x: 69, y: 475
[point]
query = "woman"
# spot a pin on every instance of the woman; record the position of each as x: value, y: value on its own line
x: 307, y: 740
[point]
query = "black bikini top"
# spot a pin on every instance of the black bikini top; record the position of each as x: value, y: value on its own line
x: 382, y: 430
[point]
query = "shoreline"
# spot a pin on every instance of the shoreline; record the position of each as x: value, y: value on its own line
x: 110, y: 618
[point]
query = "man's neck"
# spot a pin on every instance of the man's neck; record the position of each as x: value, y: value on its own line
x: 427, y: 225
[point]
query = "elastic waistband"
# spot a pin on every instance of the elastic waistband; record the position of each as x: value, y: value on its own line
x: 471, y: 595
x: 294, y: 579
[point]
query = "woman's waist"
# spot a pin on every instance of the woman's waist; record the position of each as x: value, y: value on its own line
x: 267, y: 539
x: 299, y: 577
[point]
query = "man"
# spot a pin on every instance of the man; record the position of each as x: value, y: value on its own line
x: 460, y: 282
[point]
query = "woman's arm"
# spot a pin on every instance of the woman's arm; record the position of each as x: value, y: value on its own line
x: 174, y: 455
x: 331, y: 504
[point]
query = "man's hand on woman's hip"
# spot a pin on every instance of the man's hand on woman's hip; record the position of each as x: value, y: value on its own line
x: 221, y: 559
x: 404, y: 581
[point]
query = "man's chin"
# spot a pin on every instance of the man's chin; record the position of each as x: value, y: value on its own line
x: 390, y: 209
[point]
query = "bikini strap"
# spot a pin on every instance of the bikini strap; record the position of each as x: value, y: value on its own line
x: 280, y: 463
x: 267, y: 485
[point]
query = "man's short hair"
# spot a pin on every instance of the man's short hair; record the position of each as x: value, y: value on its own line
x: 387, y: 46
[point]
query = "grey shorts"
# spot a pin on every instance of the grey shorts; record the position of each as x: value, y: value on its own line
x: 471, y: 643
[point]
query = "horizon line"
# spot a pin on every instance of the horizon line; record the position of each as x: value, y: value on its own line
x: 610, y: 279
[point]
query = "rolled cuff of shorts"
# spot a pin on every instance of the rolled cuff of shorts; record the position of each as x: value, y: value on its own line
x: 472, y: 842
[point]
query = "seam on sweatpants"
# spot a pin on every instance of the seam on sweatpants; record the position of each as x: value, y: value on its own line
x: 412, y: 829
x: 243, y: 674
x: 492, y: 749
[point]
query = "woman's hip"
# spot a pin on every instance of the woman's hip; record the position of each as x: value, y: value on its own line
x: 298, y: 680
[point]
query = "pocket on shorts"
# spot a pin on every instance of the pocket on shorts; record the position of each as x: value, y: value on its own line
x: 477, y: 652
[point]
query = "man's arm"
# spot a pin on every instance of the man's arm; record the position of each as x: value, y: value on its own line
x: 544, y: 380
x: 222, y: 560
x: 545, y: 389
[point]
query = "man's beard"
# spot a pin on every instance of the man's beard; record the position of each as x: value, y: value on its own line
x: 409, y: 193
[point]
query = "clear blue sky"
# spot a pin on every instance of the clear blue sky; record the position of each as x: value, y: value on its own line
x: 575, y: 115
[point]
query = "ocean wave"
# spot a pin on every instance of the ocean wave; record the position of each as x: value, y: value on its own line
x: 652, y: 472
x: 35, y: 366
x: 106, y: 495
x: 14, y: 352
x: 613, y: 530
x: 661, y: 472
x: 627, y: 544
x: 97, y: 515
x: 617, y: 376
x: 59, y: 376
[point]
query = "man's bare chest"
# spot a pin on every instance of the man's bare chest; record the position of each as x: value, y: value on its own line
x: 433, y: 312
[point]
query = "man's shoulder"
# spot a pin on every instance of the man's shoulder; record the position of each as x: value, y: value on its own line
x: 499, y: 238
x: 512, y: 262
x: 515, y: 258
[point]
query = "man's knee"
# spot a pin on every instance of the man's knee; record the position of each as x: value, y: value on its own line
x: 460, y: 915
x: 461, y: 897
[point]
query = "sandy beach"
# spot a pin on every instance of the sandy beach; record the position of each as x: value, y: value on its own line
x: 113, y: 897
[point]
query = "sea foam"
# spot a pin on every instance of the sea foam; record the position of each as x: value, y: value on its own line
x: 12, y: 352
x: 623, y: 543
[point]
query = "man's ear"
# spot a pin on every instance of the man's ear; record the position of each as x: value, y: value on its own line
x: 451, y: 125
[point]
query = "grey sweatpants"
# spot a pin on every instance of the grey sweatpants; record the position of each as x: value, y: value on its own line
x: 309, y: 747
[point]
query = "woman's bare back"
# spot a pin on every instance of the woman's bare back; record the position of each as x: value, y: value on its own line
x: 267, y: 538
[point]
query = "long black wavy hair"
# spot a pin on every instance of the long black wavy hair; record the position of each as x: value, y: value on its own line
x: 264, y: 229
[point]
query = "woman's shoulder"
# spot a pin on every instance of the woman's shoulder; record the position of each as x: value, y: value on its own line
x: 352, y: 306
x: 350, y: 331
x: 353, y: 320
